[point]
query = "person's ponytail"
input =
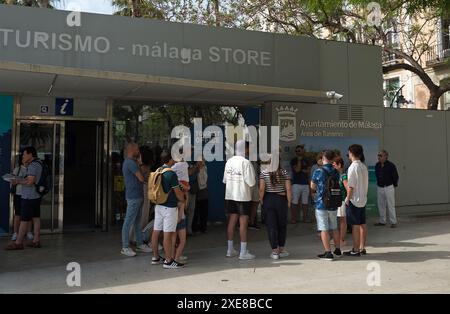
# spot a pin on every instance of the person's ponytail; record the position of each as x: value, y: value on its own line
x: 363, y: 158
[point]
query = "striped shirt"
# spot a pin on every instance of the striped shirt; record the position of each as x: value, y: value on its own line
x: 280, y: 184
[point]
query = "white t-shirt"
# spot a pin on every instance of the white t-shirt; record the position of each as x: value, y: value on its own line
x: 181, y: 169
x: 358, y: 179
x: 239, y: 177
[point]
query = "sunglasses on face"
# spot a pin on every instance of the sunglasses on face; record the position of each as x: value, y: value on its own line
x: 379, y: 155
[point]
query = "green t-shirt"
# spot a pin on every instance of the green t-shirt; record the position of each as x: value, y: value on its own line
x: 343, y: 178
x: 169, y: 183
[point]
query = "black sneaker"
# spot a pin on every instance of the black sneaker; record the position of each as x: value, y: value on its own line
x: 177, y: 265
x: 157, y: 260
x: 254, y: 227
x: 172, y: 265
x: 337, y: 252
x: 167, y: 264
x: 352, y: 253
x: 363, y: 252
x: 379, y: 224
x: 327, y: 256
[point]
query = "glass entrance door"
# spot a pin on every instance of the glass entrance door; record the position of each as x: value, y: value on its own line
x: 48, y: 139
x: 85, y: 175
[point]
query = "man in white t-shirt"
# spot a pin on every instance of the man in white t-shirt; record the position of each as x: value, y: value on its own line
x: 239, y: 178
x: 358, y: 183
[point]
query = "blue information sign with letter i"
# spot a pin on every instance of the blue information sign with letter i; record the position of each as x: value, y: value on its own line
x: 64, y: 107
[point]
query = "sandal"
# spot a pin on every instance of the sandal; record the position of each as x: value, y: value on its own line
x: 35, y: 245
x: 14, y: 247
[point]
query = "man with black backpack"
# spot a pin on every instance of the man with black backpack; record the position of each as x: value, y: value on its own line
x: 33, y: 189
x: 325, y: 184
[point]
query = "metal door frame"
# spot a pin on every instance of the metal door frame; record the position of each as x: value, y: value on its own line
x: 102, y: 168
x: 60, y: 157
x: 101, y: 193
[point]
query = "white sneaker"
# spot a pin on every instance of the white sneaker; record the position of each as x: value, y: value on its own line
x: 246, y: 256
x: 14, y: 237
x: 128, y: 252
x: 30, y: 236
x: 274, y: 256
x: 233, y: 253
x: 144, y: 248
x: 160, y: 247
x: 284, y: 254
x: 183, y: 258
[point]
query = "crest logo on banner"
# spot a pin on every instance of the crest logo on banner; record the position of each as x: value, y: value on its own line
x: 287, y: 121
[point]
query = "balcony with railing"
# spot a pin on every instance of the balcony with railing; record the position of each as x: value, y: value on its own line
x: 437, y: 54
x: 391, y: 58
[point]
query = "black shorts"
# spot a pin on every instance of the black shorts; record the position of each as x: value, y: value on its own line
x: 181, y: 225
x: 17, y: 204
x: 356, y: 215
x: 30, y: 209
x: 239, y: 208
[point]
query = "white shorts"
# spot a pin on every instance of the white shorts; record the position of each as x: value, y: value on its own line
x: 300, y: 192
x: 166, y: 218
x: 341, y: 210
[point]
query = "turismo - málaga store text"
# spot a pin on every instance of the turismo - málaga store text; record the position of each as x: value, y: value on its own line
x: 158, y: 49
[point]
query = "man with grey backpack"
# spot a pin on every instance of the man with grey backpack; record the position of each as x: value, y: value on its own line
x: 33, y: 189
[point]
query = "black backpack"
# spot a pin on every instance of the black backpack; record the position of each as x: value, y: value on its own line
x: 42, y: 186
x: 332, y: 196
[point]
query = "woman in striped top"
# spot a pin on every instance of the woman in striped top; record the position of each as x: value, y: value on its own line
x: 275, y: 195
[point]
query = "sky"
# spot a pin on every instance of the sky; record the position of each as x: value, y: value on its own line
x: 91, y: 6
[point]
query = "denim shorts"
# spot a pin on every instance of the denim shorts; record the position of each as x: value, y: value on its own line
x: 326, y: 220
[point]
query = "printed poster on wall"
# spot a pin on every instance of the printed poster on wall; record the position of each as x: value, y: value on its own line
x: 314, y: 145
x: 6, y: 116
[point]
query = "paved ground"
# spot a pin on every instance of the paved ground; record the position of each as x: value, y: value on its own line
x: 415, y: 258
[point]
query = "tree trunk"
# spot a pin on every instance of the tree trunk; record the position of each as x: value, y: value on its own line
x: 217, y: 12
x: 435, y: 91
x: 134, y: 8
x: 433, y: 101
x: 43, y: 3
x: 435, y: 94
x: 10, y: 1
x: 136, y: 131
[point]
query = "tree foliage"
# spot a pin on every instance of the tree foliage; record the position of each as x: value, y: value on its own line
x: 411, y: 21
x: 32, y: 3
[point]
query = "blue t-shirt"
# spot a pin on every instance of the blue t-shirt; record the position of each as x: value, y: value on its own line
x: 134, y: 189
x: 319, y: 177
x: 299, y: 177
x: 170, y: 182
